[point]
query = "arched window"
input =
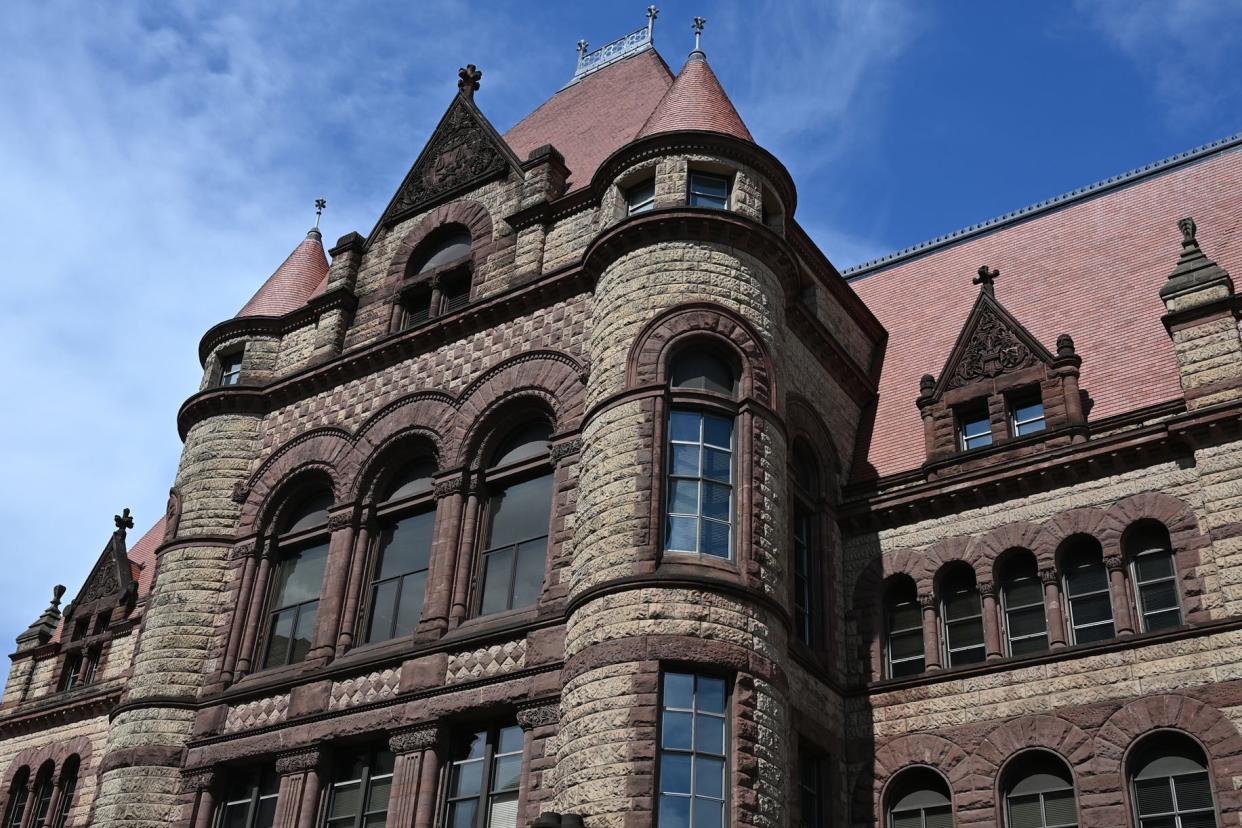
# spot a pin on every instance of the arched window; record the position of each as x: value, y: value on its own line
x: 519, y: 513
x: 1039, y: 793
x: 919, y: 798
x: 438, y: 275
x: 68, y: 787
x: 17, y: 798
x: 45, y: 784
x: 297, y: 578
x: 701, y: 471
x: 1170, y: 784
x: 808, y: 575
x: 1087, y: 591
x: 961, y: 617
x: 1150, y: 553
x: 903, y: 624
x: 399, y: 575
x: 1022, y: 596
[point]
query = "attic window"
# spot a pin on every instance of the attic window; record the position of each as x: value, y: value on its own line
x: 709, y: 191
x: 640, y: 198
x: 974, y: 427
x: 79, y: 629
x: 230, y: 367
x: 449, y: 246
x: 102, y: 620
x: 1026, y: 413
x: 454, y: 292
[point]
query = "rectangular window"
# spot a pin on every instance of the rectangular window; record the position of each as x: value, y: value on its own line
x: 905, y: 639
x: 1156, y: 579
x: 693, y: 750
x: 360, y: 787
x: 963, y: 624
x: 297, y: 580
x: 485, y: 779
x: 251, y: 799
x: 974, y: 428
x: 516, y: 549
x: 230, y: 368
x: 102, y: 621
x: 454, y: 292
x: 90, y: 666
x: 1090, y: 602
x: 71, y: 674
x: 804, y: 576
x: 1026, y: 413
x: 812, y: 788
x: 1026, y: 623
x: 80, y: 626
x: 700, y: 483
x: 400, y: 581
x: 709, y: 191
x: 640, y: 198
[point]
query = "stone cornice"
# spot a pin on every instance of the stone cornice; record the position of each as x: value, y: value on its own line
x: 57, y: 710
x: 247, y: 326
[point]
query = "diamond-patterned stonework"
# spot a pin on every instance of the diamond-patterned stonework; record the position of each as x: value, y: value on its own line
x: 372, y: 687
x: 486, y: 661
x: 258, y: 713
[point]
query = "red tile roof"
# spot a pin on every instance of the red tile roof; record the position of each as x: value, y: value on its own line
x: 293, y: 283
x: 593, y: 118
x: 696, y: 100
x: 1091, y: 267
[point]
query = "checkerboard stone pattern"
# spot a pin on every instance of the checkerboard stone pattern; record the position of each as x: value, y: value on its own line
x: 486, y: 661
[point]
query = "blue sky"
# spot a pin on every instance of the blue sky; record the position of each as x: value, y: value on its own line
x: 158, y: 160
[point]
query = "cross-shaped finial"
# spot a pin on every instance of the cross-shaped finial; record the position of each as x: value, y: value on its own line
x: 468, y: 82
x: 698, y: 30
x: 652, y: 11
x: 986, y: 279
x: 123, y: 520
x: 582, y: 48
x: 320, y: 204
x: 1189, y: 229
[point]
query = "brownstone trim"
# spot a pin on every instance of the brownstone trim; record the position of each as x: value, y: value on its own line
x: 707, y: 653
x: 254, y: 327
x: 914, y: 750
x: 160, y: 756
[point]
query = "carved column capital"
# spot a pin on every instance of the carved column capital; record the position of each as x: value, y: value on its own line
x: 1048, y: 575
x: 243, y: 550
x: 987, y: 589
x: 448, y: 488
x: 538, y: 714
x: 298, y: 761
x: 423, y: 737
x: 197, y: 779
x: 561, y: 451
x: 927, y: 600
x: 1114, y: 562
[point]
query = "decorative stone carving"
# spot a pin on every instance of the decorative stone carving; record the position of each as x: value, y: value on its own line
x: 103, y: 583
x: 241, y: 492
x: 486, y: 662
x: 447, y: 488
x: 1114, y: 562
x: 197, y: 779
x: 538, y: 715
x: 1048, y: 575
x: 340, y: 520
x: 298, y: 761
x: 987, y: 589
x: 567, y: 449
x: 242, y: 550
x: 172, y: 514
x: 424, y: 737
x: 994, y: 349
x: 927, y: 600
x: 462, y: 152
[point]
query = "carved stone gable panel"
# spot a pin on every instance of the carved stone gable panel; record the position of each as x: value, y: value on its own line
x: 102, y: 582
x: 462, y: 151
x: 994, y: 348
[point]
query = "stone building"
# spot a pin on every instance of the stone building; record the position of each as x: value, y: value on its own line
x: 585, y: 490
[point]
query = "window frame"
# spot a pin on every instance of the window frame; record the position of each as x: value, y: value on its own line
x: 1070, y: 598
x: 497, y: 480
x: 970, y: 414
x: 947, y: 650
x: 230, y: 372
x: 694, y: 175
x: 388, y: 514
x: 702, y: 411
x: 1169, y: 748
x: 892, y: 799
x: 818, y: 761
x: 19, y: 798
x: 644, y: 205
x: 284, y: 546
x: 695, y: 672
x: 808, y: 551
x: 491, y: 752
x: 364, y: 786
x: 1025, y: 398
x: 1006, y: 584
x: 889, y: 632
x: 71, y: 770
x: 254, y: 795
x: 1174, y: 579
x: 1007, y: 797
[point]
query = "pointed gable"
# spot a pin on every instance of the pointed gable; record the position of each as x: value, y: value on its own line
x: 464, y: 151
x: 696, y: 101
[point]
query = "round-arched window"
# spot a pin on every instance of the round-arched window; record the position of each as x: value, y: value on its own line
x: 407, y: 518
x: 703, y: 369
x: 1170, y: 783
x: 1039, y: 793
x: 445, y: 247
x: 919, y: 798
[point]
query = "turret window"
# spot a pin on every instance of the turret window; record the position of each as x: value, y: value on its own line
x: 296, y: 582
x: 693, y: 751
x: 709, y: 191
x: 640, y: 198
x: 230, y: 367
x: 700, y: 504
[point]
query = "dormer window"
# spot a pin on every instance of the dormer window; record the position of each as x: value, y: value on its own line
x: 1026, y: 413
x: 230, y: 368
x: 438, y: 278
x: 708, y: 190
x: 454, y: 292
x: 640, y: 198
x: 974, y: 428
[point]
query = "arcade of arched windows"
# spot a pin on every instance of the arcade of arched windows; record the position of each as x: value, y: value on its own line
x: 1086, y: 577
x: 41, y: 795
x: 1157, y: 761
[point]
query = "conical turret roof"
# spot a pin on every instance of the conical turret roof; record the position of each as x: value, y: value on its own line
x: 294, y: 282
x: 696, y: 101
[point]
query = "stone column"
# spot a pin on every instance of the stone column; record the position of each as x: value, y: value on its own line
x: 531, y: 718
x: 300, y: 780
x: 32, y: 803
x: 200, y: 784
x: 991, y: 620
x: 444, y: 550
x: 252, y: 620
x: 1122, y: 616
x: 931, y: 631
x: 246, y: 552
x: 335, y: 580
x: 465, y: 556
x: 1052, y: 607
x: 353, y: 592
x: 414, y: 748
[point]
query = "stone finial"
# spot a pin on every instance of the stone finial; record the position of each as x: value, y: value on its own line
x: 582, y: 48
x: 986, y: 280
x: 468, y: 83
x: 1065, y: 345
x: 123, y: 521
x: 41, y: 631
x: 58, y: 592
x: 1196, y: 279
x: 1189, y: 230
x: 699, y: 22
x: 927, y: 385
x: 652, y: 11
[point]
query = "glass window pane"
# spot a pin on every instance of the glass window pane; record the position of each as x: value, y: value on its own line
x: 380, y: 789
x: 346, y: 799
x: 1083, y: 579
x: 413, y: 589
x: 709, y: 735
x: 676, y: 730
x: 497, y: 571
x: 974, y: 655
x: 684, y: 426
x: 1151, y: 567
x: 1096, y: 632
x: 717, y: 465
x: 1024, y: 592
x: 962, y: 605
x: 266, y: 817
x: 708, y: 814
x: 682, y: 533
x: 507, y: 772
x: 714, y: 538
x: 716, y: 501
x: 279, y: 635
x: 709, y: 777
x: 1202, y: 820
x: 1153, y: 796
x: 405, y: 546
x: 299, y: 576
x: 1022, y: 646
x: 965, y: 634
x: 907, y: 819
x: 906, y: 668
x: 1027, y: 621
x: 528, y: 441
x: 503, y: 812
x: 717, y: 431
x: 383, y: 609
x: 711, y: 694
x: 906, y: 645
x: 674, y: 812
x: 685, y: 460
x: 1162, y: 620
x: 1025, y: 812
x: 528, y: 580
x: 1193, y: 791
x: 467, y: 778
x: 684, y: 497
x: 462, y: 814
x: 1060, y: 808
x: 1092, y: 608
x: 938, y: 817
x: 1161, y: 595
x: 303, y: 632
x: 520, y: 512
x: 675, y: 773
x: 678, y: 690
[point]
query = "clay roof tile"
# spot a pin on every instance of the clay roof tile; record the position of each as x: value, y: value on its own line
x: 696, y: 101
x: 294, y: 281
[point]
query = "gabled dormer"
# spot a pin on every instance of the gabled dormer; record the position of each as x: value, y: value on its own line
x: 1001, y: 391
